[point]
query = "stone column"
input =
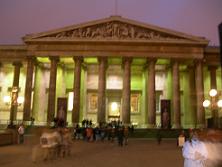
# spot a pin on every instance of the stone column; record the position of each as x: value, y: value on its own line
x: 200, y: 94
x: 28, y: 89
x: 151, y: 95
x: 213, y: 78
x: 176, y: 94
x: 213, y: 85
x: 101, y: 115
x: 192, y: 94
x: 52, y: 90
x: 126, y: 93
x: 76, y: 89
x: 15, y: 90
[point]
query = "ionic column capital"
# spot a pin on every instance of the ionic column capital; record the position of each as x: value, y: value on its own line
x: 127, y: 59
x: 78, y: 58
x: 54, y: 58
x: 198, y: 61
x: 212, y: 68
x: 17, y: 63
x: 102, y: 59
x: 151, y: 60
x: 175, y: 61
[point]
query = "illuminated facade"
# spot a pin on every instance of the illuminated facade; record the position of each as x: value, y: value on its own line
x: 109, y: 69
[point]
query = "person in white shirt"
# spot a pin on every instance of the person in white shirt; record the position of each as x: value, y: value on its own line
x: 194, y: 152
x: 21, y: 131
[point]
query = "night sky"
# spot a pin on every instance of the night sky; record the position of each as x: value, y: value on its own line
x: 195, y: 17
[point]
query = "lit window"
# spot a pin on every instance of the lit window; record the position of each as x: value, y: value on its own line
x: 70, y: 101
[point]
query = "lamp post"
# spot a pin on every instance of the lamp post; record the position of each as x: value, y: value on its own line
x: 214, y: 104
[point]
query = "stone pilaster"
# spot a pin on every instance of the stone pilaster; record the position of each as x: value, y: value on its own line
x: 101, y: 115
x: 213, y: 78
x: 200, y: 94
x: 126, y: 90
x: 76, y: 89
x: 52, y: 90
x: 176, y: 94
x: 15, y: 90
x: 28, y: 89
x: 151, y: 95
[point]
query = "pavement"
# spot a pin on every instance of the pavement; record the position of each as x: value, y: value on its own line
x: 138, y: 153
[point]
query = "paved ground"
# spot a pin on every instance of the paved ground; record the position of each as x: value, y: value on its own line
x: 139, y: 153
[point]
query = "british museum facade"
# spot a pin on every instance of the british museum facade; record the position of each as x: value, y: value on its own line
x: 107, y: 70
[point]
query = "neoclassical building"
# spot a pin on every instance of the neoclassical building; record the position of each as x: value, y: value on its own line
x: 109, y: 69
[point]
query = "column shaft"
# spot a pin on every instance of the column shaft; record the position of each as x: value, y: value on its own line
x: 101, y: 115
x: 151, y: 95
x: 213, y: 78
x: 15, y: 90
x: 176, y: 95
x: 52, y: 90
x: 126, y: 90
x: 17, y: 66
x: 213, y: 85
x: 200, y: 94
x: 28, y: 89
x: 192, y: 94
x: 76, y: 90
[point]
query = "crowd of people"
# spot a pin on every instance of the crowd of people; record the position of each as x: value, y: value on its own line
x: 200, y: 148
x: 104, y: 131
x: 56, y: 142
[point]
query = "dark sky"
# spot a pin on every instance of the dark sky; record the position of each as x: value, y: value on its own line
x: 195, y: 17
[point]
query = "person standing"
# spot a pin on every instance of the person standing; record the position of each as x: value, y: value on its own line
x: 21, y: 131
x: 120, y: 135
x: 194, y: 152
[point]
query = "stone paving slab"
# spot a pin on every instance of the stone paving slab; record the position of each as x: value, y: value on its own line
x: 138, y: 153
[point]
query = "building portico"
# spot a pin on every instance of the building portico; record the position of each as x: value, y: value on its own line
x: 109, y: 69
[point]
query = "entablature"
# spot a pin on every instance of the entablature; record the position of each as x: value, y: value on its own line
x: 212, y: 56
x: 13, y: 52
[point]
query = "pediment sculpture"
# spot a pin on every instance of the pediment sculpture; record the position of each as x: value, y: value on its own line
x: 113, y: 30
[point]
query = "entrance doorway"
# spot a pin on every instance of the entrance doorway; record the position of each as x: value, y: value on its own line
x: 114, y: 108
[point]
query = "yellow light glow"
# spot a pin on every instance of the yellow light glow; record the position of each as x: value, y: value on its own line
x: 70, y: 101
x: 114, y: 106
x: 213, y: 92
x: 7, y: 99
x: 219, y: 103
x: 20, y: 100
x: 206, y: 103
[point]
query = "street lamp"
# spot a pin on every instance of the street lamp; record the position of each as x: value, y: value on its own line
x: 214, y: 104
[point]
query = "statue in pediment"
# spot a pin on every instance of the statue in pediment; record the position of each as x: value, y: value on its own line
x: 113, y: 30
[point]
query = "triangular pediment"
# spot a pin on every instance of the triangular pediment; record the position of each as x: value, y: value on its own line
x: 114, y: 28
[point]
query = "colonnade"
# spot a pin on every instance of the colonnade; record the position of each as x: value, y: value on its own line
x: 102, y: 65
